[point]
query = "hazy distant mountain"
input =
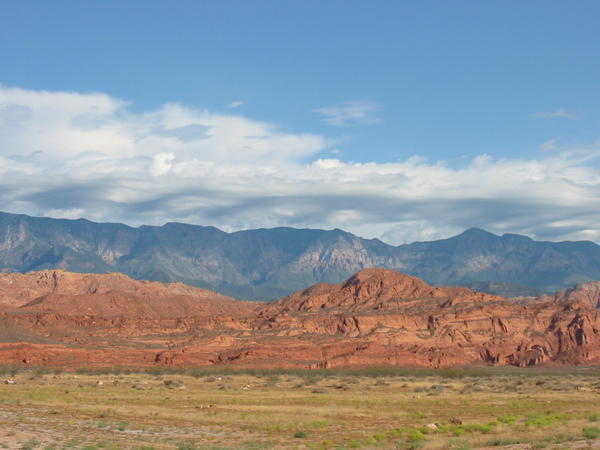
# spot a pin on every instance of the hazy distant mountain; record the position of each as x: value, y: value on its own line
x: 507, y: 290
x: 476, y: 256
x: 270, y: 263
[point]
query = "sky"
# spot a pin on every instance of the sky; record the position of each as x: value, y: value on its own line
x: 398, y: 120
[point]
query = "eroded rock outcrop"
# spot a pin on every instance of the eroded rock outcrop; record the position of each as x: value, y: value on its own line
x: 587, y: 294
x: 376, y: 317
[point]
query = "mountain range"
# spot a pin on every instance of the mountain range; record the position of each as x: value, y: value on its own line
x: 271, y: 263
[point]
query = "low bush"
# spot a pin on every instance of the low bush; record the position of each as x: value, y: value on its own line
x: 591, y: 432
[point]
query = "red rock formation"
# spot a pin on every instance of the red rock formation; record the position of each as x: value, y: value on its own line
x: 17, y: 289
x: 377, y: 317
x: 584, y: 293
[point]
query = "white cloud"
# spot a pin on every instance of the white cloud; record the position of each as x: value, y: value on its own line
x: 89, y: 155
x: 235, y: 104
x: 161, y: 164
x: 350, y: 113
x: 73, y: 213
x: 550, y: 144
x: 560, y: 113
x: 70, y: 125
x: 329, y: 163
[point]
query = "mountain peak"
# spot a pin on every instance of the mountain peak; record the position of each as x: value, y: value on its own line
x: 372, y: 289
x: 471, y: 232
x: 378, y: 275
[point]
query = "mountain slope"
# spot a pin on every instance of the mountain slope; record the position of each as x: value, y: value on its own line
x: 272, y: 263
x: 476, y: 256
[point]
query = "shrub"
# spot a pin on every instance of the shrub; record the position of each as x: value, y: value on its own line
x: 507, y: 419
x: 459, y: 430
x: 173, y: 384
x: 187, y: 445
x: 318, y: 424
x: 416, y: 436
x: 106, y: 413
x: 272, y: 380
x: 197, y: 373
x: 378, y: 437
x: 498, y: 442
x: 30, y: 444
x: 397, y: 432
x: 591, y: 432
x: 300, y: 434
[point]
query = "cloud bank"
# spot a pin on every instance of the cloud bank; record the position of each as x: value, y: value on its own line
x: 65, y: 154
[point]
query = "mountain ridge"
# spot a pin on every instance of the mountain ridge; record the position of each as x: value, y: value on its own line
x: 271, y: 263
x: 377, y: 317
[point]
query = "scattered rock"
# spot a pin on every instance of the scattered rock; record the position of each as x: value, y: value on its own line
x: 212, y: 406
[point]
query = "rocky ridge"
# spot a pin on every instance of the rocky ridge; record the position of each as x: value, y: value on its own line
x: 375, y: 318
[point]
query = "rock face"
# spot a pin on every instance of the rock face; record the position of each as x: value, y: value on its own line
x: 377, y: 317
x: 271, y: 263
x: 585, y: 293
x: 61, y: 292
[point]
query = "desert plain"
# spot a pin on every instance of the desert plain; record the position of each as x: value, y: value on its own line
x: 510, y: 408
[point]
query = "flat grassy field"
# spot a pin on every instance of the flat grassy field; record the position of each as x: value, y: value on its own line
x: 454, y: 409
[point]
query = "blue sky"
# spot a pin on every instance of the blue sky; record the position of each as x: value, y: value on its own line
x: 512, y: 85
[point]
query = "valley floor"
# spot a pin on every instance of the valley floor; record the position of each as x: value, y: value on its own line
x: 301, y: 409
